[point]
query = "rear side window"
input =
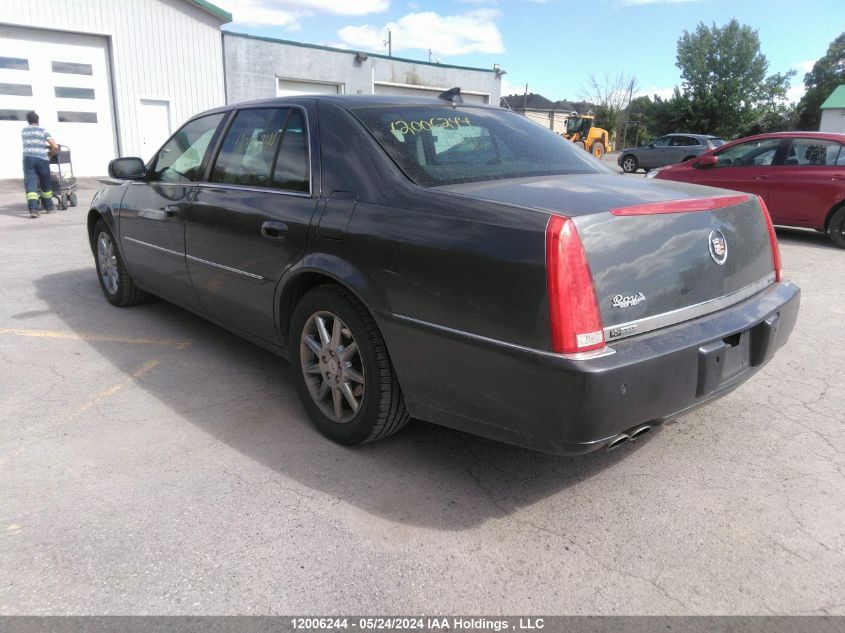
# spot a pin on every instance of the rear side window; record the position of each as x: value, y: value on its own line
x: 805, y: 152
x: 441, y: 145
x: 181, y: 157
x: 291, y: 172
x: 249, y: 148
x: 683, y: 141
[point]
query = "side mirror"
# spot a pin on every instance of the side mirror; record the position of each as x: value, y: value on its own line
x: 651, y: 145
x: 130, y: 168
x: 706, y: 161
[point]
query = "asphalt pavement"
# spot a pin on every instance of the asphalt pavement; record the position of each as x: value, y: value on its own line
x: 152, y: 463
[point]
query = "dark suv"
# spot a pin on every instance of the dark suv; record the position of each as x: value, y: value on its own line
x: 667, y: 150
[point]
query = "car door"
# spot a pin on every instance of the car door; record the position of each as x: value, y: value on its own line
x: 653, y: 154
x: 748, y: 167
x: 153, y: 211
x: 249, y: 221
x: 809, y: 183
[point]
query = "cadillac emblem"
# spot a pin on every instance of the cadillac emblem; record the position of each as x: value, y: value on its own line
x: 718, y: 247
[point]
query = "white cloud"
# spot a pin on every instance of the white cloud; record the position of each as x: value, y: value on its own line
x: 804, y: 67
x: 795, y: 93
x: 470, y: 32
x: 663, y: 93
x: 509, y: 88
x: 287, y: 13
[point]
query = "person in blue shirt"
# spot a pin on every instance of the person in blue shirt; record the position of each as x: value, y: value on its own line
x: 37, y: 147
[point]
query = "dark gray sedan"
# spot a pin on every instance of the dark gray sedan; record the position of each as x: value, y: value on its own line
x: 667, y: 150
x: 456, y: 263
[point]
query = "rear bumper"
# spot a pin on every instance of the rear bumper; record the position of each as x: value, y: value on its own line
x: 559, y: 405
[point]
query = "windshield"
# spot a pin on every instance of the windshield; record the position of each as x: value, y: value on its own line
x: 444, y: 145
x: 573, y: 124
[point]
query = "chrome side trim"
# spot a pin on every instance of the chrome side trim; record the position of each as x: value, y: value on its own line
x: 152, y: 246
x: 647, y: 324
x: 491, y: 342
x: 281, y: 192
x: 227, y: 268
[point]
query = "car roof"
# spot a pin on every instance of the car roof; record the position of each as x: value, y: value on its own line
x: 817, y: 135
x: 350, y: 101
x: 693, y: 135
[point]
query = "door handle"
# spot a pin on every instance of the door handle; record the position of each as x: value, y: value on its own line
x: 762, y: 177
x: 274, y: 230
x: 171, y: 212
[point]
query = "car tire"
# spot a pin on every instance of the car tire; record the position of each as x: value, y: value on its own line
x: 351, y: 397
x: 836, y: 228
x: 598, y: 150
x: 630, y: 164
x: 117, y: 286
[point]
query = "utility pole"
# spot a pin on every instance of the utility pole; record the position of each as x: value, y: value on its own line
x: 389, y: 43
x: 627, y: 113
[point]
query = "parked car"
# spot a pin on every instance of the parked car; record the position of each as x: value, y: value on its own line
x: 666, y: 150
x: 800, y: 176
x: 456, y: 263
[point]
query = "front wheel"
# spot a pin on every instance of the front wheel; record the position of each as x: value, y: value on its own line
x: 630, y: 164
x: 836, y: 228
x: 115, y: 282
x: 598, y: 150
x: 342, y: 370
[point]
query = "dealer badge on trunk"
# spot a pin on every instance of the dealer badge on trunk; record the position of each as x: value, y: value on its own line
x: 718, y: 247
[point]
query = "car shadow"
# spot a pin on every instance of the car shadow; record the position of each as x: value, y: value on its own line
x: 240, y: 394
x: 804, y: 237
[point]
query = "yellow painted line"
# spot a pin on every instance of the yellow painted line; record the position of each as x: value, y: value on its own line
x: 107, y: 338
x: 138, y: 373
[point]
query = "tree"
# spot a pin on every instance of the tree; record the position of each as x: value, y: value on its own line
x: 611, y: 95
x: 827, y: 73
x: 724, y: 83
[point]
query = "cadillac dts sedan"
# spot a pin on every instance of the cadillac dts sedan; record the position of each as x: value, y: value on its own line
x: 455, y: 263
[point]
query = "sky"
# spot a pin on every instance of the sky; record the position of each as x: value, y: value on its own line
x: 554, y: 46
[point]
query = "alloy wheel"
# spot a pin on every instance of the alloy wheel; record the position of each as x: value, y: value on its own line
x: 107, y: 259
x: 332, y: 366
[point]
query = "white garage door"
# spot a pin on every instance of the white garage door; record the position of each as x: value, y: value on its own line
x: 410, y: 90
x: 65, y: 78
x: 290, y: 87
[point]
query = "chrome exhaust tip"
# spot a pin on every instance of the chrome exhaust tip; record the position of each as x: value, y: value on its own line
x: 640, y: 431
x: 617, y: 441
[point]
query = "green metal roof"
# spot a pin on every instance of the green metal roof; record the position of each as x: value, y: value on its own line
x: 353, y: 52
x: 214, y: 10
x: 835, y: 100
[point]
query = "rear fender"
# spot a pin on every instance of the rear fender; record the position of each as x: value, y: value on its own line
x: 333, y: 269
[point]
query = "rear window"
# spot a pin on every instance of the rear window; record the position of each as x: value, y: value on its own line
x: 444, y: 145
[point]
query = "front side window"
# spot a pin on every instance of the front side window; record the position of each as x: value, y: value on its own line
x: 181, y: 157
x: 249, y: 149
x: 662, y: 141
x: 810, y: 151
x: 444, y: 145
x: 749, y: 154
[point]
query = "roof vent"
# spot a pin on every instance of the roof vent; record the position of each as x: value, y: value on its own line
x: 453, y: 95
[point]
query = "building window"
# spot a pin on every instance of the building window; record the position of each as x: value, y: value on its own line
x: 72, y: 69
x: 66, y: 92
x: 12, y: 115
x: 21, y: 90
x: 77, y: 117
x: 14, y: 63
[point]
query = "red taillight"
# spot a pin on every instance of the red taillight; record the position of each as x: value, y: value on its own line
x: 773, y: 239
x: 573, y: 308
x: 680, y: 206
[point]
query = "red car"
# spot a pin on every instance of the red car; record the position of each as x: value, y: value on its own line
x: 799, y: 175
